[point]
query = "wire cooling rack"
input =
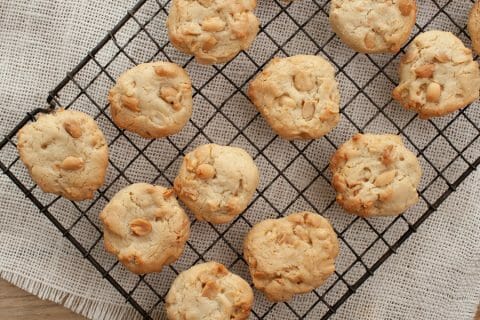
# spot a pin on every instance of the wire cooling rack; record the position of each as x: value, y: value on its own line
x: 294, y: 174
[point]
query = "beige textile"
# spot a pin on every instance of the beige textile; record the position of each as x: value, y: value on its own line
x: 436, y: 273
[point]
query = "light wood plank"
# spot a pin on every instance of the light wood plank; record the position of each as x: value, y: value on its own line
x: 16, y: 304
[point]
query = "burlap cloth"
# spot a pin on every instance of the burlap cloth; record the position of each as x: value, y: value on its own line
x: 435, y: 275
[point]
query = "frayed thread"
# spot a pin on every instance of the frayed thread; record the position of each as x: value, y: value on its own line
x: 91, y: 309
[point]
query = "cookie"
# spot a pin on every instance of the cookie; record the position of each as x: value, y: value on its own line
x: 153, y: 100
x: 291, y: 255
x: 208, y: 291
x: 297, y: 96
x: 65, y: 153
x: 217, y: 182
x: 437, y: 75
x: 474, y: 26
x: 214, y: 31
x: 145, y: 227
x: 372, y: 26
x: 375, y: 175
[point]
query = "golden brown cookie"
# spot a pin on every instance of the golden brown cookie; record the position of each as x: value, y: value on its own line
x: 145, y: 227
x: 375, y: 175
x: 291, y: 255
x: 217, y: 182
x: 209, y: 291
x: 437, y: 75
x: 65, y: 153
x: 153, y: 100
x: 474, y: 26
x: 373, y: 26
x: 214, y: 31
x: 297, y: 96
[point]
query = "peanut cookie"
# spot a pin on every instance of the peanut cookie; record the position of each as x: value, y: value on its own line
x: 437, y: 75
x: 153, y: 100
x: 214, y: 31
x: 375, y: 175
x: 145, y: 227
x: 297, y: 96
x: 217, y: 182
x: 291, y: 255
x: 373, y: 26
x: 474, y: 26
x: 208, y: 291
x: 65, y: 153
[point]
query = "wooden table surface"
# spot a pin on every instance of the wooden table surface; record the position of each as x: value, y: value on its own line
x: 16, y: 304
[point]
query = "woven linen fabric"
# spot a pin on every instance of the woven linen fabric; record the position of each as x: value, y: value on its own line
x: 434, y: 275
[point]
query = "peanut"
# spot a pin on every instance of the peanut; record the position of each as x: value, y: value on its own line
x: 239, y: 29
x: 209, y: 42
x: 205, y: 171
x: 405, y: 7
x: 165, y: 71
x: 295, y: 218
x: 434, y: 91
x: 461, y: 58
x: 370, y: 40
x: 131, y: 103
x: 221, y: 270
x: 410, y: 56
x: 140, y: 227
x: 308, y: 110
x: 192, y: 29
x: 284, y: 238
x: 385, y: 178
x: 73, y: 129
x: 214, y: 24
x: 310, y: 220
x: 168, y: 94
x: 168, y: 193
x: 442, y: 57
x: 72, y: 163
x: 205, y: 3
x: 303, y: 81
x: 425, y: 71
x: 287, y: 102
x: 302, y: 233
x: 210, y: 290
x: 388, y: 155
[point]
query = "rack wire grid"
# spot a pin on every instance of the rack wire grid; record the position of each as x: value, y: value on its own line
x: 294, y: 174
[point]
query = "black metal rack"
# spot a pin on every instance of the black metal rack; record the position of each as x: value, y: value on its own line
x: 297, y: 170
